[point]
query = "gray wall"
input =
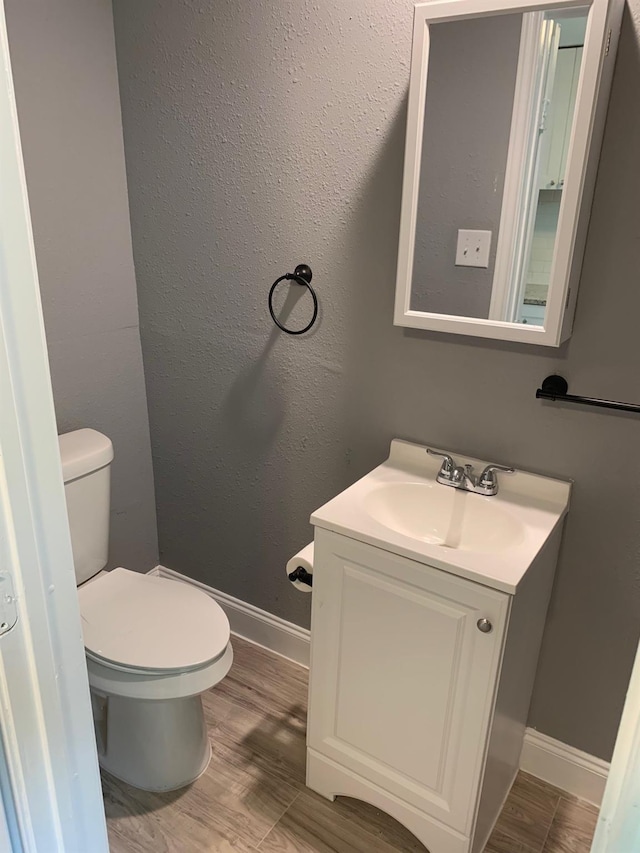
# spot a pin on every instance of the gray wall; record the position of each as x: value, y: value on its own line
x: 262, y: 135
x: 63, y: 58
x: 467, y: 120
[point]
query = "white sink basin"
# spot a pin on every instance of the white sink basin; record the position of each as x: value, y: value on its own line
x: 400, y: 507
x: 444, y: 516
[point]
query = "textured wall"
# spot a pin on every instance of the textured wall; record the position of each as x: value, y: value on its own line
x: 262, y: 135
x: 467, y: 119
x: 63, y: 58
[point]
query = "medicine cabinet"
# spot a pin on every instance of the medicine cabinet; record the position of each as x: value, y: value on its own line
x: 507, y: 103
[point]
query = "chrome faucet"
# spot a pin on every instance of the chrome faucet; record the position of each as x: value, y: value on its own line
x: 463, y: 477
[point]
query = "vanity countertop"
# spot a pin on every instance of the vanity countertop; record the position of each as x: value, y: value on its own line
x: 400, y: 507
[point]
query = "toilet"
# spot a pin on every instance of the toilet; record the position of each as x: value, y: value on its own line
x: 153, y: 646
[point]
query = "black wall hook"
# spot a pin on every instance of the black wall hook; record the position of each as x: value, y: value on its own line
x: 301, y: 275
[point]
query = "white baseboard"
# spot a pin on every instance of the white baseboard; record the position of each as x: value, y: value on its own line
x: 564, y: 766
x: 253, y: 624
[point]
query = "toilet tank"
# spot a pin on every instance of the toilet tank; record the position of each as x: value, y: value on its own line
x: 86, y: 468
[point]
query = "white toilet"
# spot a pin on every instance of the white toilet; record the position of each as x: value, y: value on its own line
x: 153, y: 645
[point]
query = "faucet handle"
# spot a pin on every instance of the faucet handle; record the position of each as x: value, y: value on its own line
x: 448, y: 465
x: 488, y: 481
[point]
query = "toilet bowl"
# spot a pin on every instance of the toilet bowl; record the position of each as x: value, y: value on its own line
x: 153, y: 646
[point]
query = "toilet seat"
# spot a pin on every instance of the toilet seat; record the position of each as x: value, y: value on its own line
x: 150, y: 626
x: 108, y: 680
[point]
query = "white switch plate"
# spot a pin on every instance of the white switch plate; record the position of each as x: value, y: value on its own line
x: 473, y: 248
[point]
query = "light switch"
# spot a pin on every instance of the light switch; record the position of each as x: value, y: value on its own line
x: 473, y: 248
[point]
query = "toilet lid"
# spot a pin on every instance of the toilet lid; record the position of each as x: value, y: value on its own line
x: 151, y: 623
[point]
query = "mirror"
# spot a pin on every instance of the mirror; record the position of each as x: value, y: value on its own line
x: 500, y: 136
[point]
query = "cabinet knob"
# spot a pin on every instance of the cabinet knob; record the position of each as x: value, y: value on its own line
x: 485, y: 626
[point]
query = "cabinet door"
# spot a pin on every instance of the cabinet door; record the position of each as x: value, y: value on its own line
x: 563, y: 104
x: 575, y: 77
x: 402, y: 679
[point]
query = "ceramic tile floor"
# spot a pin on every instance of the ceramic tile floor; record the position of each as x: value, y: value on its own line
x: 253, y: 795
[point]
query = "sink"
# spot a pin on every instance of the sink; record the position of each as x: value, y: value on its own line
x: 401, y: 508
x: 451, y: 518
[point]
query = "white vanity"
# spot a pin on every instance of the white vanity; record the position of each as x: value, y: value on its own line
x: 429, y: 604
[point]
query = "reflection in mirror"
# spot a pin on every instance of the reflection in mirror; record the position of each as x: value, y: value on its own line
x: 555, y: 129
x: 498, y: 114
x: 467, y: 117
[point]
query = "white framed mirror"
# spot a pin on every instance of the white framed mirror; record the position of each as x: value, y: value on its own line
x: 507, y: 102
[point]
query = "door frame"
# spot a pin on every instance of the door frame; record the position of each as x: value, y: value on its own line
x: 49, y: 775
x: 618, y: 827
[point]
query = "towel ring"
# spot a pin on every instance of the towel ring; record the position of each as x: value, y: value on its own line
x: 301, y: 275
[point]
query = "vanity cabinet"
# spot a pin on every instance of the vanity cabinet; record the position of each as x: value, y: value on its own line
x: 420, y: 686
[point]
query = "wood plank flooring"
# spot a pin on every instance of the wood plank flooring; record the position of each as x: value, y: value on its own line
x: 253, y: 796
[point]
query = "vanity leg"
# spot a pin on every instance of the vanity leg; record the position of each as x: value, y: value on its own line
x: 318, y: 779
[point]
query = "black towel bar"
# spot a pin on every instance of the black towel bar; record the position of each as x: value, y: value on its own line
x: 556, y: 387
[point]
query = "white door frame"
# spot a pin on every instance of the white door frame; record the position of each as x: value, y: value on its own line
x: 49, y: 777
x: 618, y: 829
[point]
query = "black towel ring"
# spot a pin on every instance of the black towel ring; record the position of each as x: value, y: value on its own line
x: 301, y: 275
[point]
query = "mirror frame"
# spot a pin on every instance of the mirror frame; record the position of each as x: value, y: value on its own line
x: 603, y: 26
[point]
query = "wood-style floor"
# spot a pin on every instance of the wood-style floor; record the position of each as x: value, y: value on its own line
x: 253, y: 795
